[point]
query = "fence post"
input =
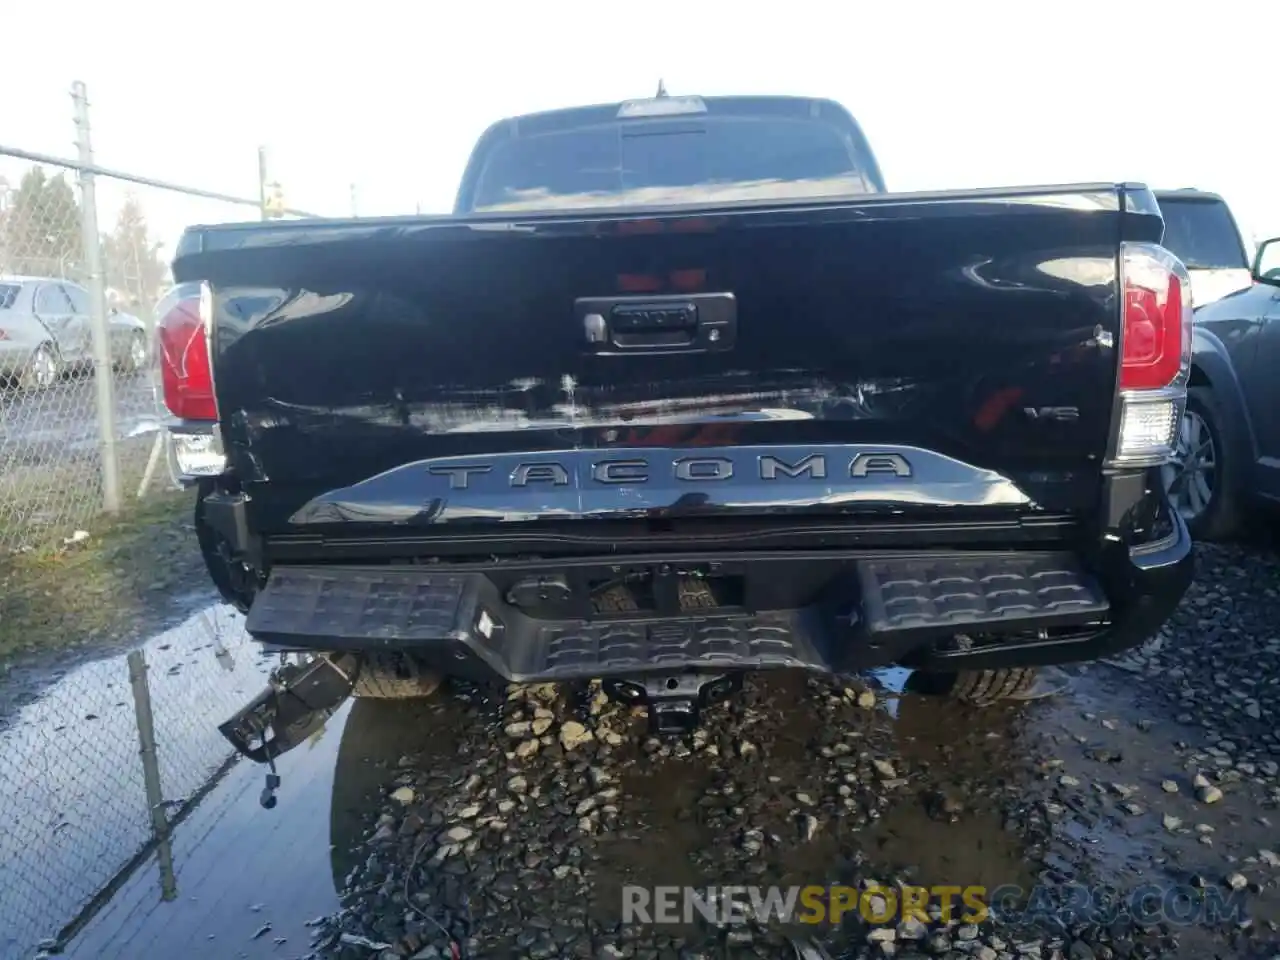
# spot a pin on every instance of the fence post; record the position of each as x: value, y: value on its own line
x: 151, y: 771
x: 262, y: 182
x: 102, y: 370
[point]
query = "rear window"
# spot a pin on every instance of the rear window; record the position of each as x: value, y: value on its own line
x: 1202, y: 234
x: 671, y: 161
x: 8, y: 295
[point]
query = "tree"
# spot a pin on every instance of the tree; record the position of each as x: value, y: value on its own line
x: 132, y: 259
x: 40, y: 233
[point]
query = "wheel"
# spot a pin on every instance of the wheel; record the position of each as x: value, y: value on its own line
x: 43, y: 369
x: 394, y: 677
x: 988, y: 686
x: 136, y: 358
x: 1201, y: 480
x: 976, y: 686
x: 693, y: 592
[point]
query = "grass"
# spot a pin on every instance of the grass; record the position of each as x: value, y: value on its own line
x: 112, y: 586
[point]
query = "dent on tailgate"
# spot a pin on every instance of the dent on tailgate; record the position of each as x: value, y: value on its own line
x: 972, y: 328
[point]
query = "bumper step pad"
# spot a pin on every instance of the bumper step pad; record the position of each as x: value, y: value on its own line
x: 462, y: 622
x: 926, y: 596
x: 769, y: 639
x: 379, y: 608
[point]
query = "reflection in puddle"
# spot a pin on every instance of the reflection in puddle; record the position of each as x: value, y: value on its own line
x: 120, y: 805
x: 244, y: 877
x: 892, y: 682
x: 892, y: 679
x: 93, y: 771
x: 977, y: 850
x: 251, y: 882
x: 951, y: 829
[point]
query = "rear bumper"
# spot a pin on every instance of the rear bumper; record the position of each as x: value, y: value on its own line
x: 829, y: 612
x: 1152, y: 582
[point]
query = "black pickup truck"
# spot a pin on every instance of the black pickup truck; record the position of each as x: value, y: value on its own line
x: 680, y: 391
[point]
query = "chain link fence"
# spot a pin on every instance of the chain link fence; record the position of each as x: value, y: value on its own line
x: 94, y: 774
x: 84, y: 259
x: 50, y: 470
x: 96, y: 770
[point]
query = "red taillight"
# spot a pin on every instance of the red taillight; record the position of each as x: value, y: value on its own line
x: 1155, y: 342
x: 183, y: 352
x: 1155, y: 353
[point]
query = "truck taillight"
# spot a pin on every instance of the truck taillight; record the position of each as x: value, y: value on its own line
x: 1155, y: 352
x: 183, y: 322
x: 182, y: 333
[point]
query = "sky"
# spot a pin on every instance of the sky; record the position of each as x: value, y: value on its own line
x: 389, y: 97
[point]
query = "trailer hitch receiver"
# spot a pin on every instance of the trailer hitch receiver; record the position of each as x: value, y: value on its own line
x: 675, y: 701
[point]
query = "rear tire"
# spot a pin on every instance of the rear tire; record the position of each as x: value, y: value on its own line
x: 43, y: 369
x: 978, y: 687
x: 989, y: 686
x: 394, y: 677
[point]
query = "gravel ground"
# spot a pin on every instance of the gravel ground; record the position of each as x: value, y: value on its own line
x: 513, y: 835
x: 1218, y: 660
x: 504, y: 823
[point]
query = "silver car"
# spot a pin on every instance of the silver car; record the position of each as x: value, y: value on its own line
x: 46, y: 331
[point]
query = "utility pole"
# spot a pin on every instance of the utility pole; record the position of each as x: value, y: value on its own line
x: 102, y: 366
x: 262, y: 181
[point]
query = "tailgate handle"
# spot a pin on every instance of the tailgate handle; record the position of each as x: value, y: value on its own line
x: 657, y: 321
x: 615, y: 326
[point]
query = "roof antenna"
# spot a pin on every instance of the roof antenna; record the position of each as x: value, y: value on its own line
x: 662, y: 89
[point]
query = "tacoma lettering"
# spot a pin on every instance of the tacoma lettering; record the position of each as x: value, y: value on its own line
x: 704, y: 468
x: 621, y: 471
x: 788, y: 466
x: 527, y: 473
x: 459, y: 477
x: 815, y: 465
x: 865, y: 464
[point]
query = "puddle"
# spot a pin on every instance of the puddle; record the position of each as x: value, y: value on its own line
x: 936, y: 853
x: 1094, y: 760
x: 246, y: 881
x: 128, y: 827
x: 235, y: 880
x: 892, y: 683
x: 951, y: 829
x: 75, y: 793
x: 84, y: 861
x: 1123, y: 753
x: 960, y: 759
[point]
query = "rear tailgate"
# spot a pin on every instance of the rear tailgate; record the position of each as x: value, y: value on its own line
x: 965, y: 343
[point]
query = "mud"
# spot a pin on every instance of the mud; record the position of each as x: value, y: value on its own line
x: 794, y: 782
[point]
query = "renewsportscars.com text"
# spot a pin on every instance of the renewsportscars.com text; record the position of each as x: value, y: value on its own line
x: 1177, y: 904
